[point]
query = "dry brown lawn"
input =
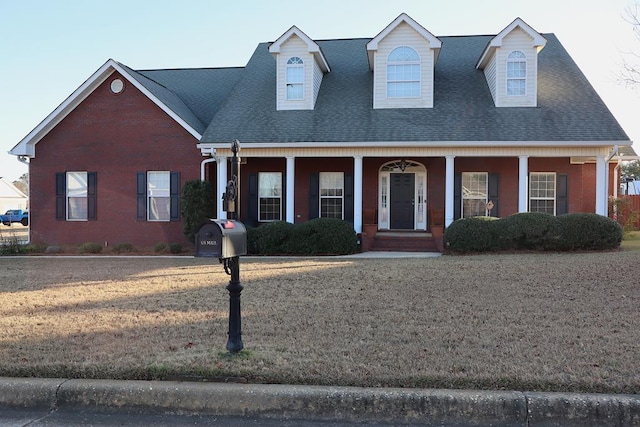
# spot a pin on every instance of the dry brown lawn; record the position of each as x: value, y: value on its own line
x: 520, y: 321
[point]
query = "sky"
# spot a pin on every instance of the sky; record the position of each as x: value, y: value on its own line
x: 48, y: 48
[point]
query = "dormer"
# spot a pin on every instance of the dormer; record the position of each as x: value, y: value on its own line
x: 510, y: 65
x: 403, y: 57
x: 300, y: 67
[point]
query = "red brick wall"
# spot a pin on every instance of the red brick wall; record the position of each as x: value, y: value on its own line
x: 115, y: 136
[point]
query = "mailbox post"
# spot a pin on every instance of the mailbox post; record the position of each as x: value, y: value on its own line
x: 232, y: 266
x: 226, y: 239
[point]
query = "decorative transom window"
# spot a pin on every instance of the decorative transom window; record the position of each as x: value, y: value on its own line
x: 159, y: 196
x: 474, y: 193
x: 516, y: 73
x: 403, y: 73
x: 77, y: 185
x: 331, y: 194
x: 295, y: 79
x: 542, y: 192
x: 269, y: 196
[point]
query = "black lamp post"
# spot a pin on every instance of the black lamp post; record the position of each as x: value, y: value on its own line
x: 232, y: 265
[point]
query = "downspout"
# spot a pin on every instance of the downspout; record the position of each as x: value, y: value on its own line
x: 25, y: 160
x: 212, y: 153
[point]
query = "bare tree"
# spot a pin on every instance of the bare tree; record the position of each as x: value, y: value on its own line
x: 630, y: 75
x: 22, y: 183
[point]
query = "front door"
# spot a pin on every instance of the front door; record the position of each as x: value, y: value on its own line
x: 401, y: 198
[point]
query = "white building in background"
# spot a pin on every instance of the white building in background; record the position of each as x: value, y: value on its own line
x: 11, y: 197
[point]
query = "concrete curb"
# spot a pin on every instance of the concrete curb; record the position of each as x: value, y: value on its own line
x: 391, y: 405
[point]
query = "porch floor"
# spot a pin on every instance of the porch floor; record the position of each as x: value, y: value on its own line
x: 402, y: 241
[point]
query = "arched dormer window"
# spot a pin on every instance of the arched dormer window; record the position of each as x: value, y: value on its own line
x: 295, y: 79
x: 403, y: 73
x: 516, y: 74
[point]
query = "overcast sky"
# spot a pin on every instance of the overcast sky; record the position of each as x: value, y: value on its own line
x: 50, y: 47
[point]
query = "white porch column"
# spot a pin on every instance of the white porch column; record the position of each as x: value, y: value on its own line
x: 523, y: 183
x: 291, y: 179
x: 357, y: 194
x: 222, y: 184
x: 601, y: 186
x: 448, y: 190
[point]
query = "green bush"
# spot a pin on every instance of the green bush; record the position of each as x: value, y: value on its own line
x: 474, y: 234
x: 175, y: 248
x: 319, y: 236
x: 161, y: 248
x: 196, y: 206
x: 589, y: 231
x: 90, y: 248
x: 324, y: 236
x: 530, y: 230
x: 273, y: 238
x: 123, y: 248
x: 534, y: 231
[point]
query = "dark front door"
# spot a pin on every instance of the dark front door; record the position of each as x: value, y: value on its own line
x: 401, y: 196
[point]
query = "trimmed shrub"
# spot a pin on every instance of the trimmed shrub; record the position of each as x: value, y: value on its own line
x: 90, y: 248
x: 528, y: 230
x: 161, y: 248
x: 196, y: 206
x: 324, y: 236
x: 273, y: 238
x: 175, y: 248
x: 54, y: 249
x: 123, y: 248
x: 474, y: 234
x: 588, y: 231
x: 534, y: 231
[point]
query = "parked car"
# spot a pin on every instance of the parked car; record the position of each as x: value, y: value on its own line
x: 15, y: 215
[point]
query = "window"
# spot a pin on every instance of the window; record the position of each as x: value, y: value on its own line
x: 403, y: 73
x: 542, y: 192
x: 295, y: 79
x: 474, y: 194
x: 331, y: 194
x: 516, y: 74
x: 158, y: 196
x: 76, y: 198
x: 269, y: 196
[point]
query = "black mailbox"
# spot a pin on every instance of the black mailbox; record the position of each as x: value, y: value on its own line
x: 221, y: 238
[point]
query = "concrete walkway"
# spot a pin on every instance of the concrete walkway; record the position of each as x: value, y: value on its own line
x: 318, y: 403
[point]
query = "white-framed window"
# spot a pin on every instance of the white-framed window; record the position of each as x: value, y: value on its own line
x: 516, y: 74
x: 542, y: 192
x: 403, y: 73
x: 332, y: 195
x: 77, y: 192
x: 474, y: 193
x: 295, y: 79
x: 158, y: 196
x: 269, y: 196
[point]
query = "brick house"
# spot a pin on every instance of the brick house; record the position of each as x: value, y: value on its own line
x: 398, y: 134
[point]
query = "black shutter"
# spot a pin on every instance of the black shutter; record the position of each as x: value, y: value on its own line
x: 141, y: 196
x: 174, y: 192
x: 61, y: 190
x: 92, y: 196
x: 252, y: 209
x: 457, y: 196
x: 348, y: 198
x: 492, y: 190
x: 562, y: 199
x: 314, y: 197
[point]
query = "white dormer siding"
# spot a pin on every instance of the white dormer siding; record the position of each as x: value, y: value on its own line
x: 295, y: 50
x: 518, y: 45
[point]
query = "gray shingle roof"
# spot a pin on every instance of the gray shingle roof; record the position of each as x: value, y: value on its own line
x: 568, y: 109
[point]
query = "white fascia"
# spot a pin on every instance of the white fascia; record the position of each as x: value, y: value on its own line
x: 314, y: 49
x: 538, y: 40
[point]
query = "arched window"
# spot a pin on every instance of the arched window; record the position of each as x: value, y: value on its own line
x: 295, y: 79
x: 403, y: 73
x: 516, y: 74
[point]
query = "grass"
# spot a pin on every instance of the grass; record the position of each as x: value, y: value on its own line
x: 555, y: 322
